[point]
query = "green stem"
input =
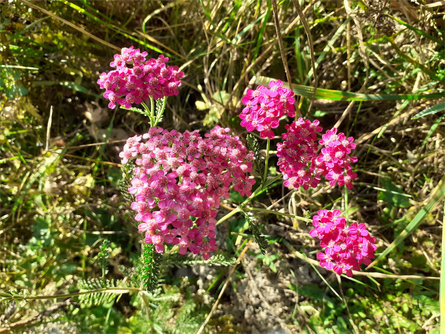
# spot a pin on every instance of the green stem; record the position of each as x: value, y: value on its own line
x: 442, y: 277
x: 266, y: 162
x: 152, y: 108
x: 240, y: 207
x: 279, y: 213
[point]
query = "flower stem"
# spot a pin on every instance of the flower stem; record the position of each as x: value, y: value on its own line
x: 266, y: 162
x: 279, y: 213
x: 240, y: 207
x: 152, y: 111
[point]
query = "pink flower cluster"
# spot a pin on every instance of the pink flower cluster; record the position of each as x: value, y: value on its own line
x: 265, y: 107
x: 298, y: 152
x: 179, y: 181
x: 135, y: 79
x: 345, y: 247
x: 303, y: 162
x: 334, y: 161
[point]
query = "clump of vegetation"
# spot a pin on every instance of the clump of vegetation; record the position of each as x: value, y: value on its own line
x: 72, y: 257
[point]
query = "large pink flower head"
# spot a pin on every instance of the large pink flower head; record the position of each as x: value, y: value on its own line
x: 135, y: 79
x: 265, y: 107
x: 179, y: 181
x: 345, y: 247
x: 304, y: 162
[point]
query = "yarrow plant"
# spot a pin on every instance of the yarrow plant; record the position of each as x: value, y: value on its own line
x: 345, y: 247
x: 179, y: 181
x: 265, y: 106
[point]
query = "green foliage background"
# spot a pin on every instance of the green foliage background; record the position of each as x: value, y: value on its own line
x: 65, y: 227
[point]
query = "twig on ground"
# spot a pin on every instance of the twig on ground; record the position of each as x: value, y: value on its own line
x: 232, y: 270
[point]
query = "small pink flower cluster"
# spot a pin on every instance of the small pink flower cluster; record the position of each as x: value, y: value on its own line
x: 334, y: 159
x: 299, y: 150
x: 345, y: 247
x: 303, y: 165
x: 135, y: 79
x: 179, y: 181
x: 265, y: 107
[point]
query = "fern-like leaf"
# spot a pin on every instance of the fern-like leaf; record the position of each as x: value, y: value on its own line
x: 99, y: 294
x: 254, y: 145
x: 182, y: 260
x: 254, y: 226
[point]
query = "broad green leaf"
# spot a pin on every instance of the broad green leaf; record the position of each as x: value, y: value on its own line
x: 393, y: 194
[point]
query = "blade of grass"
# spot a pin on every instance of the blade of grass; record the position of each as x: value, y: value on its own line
x: 310, y: 43
x: 437, y: 195
x: 2, y: 161
x: 238, y: 37
x: 442, y: 276
x: 327, y: 48
x: 83, y: 31
x: 415, y: 63
x: 262, y: 30
x: 431, y: 110
x: 433, y: 128
x: 417, y: 31
x: 151, y: 39
x: 326, y: 282
x: 337, y: 95
x: 20, y: 67
x: 233, y: 15
x: 206, y: 11
x: 113, y: 27
x: 299, y: 56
